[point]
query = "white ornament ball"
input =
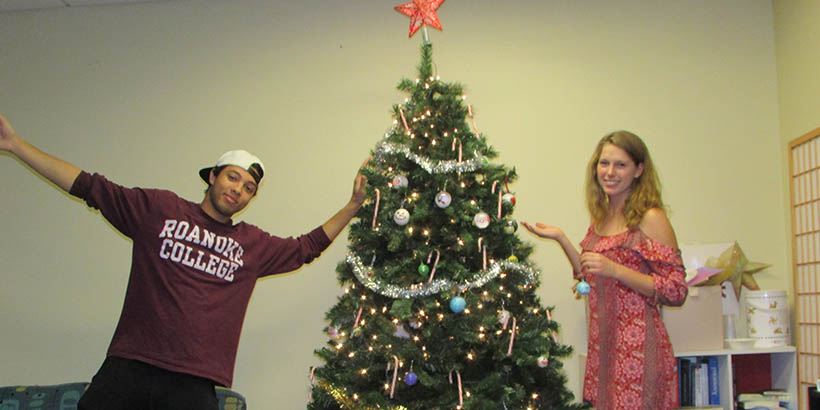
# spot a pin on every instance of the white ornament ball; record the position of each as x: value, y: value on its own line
x: 443, y: 199
x: 401, y: 217
x: 481, y: 220
x: 400, y: 181
x: 508, y: 198
x: 503, y: 316
x: 333, y: 332
x: 401, y: 332
x: 543, y: 361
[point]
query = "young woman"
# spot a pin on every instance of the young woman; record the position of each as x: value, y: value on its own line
x: 630, y: 259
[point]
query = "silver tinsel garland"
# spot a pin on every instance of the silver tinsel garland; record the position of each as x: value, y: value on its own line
x: 432, y: 167
x: 365, y: 275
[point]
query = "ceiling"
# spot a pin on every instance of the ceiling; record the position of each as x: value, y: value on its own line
x: 18, y: 5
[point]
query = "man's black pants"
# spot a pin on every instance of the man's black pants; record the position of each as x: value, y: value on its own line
x: 124, y: 384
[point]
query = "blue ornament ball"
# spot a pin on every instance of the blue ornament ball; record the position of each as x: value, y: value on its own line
x: 411, y: 378
x: 582, y: 288
x: 457, y: 304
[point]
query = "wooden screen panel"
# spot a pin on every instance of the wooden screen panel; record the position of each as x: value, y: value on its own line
x: 804, y: 168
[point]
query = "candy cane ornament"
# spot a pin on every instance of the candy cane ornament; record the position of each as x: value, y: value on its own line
x: 376, y: 210
x: 404, y: 121
x: 433, y: 271
x: 460, y: 395
x: 358, y: 316
x: 312, y: 384
x: 512, y: 337
x: 470, y: 111
x: 499, y: 204
x: 395, y: 374
x: 460, y: 390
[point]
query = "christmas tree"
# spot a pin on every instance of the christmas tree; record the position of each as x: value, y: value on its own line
x: 439, y: 309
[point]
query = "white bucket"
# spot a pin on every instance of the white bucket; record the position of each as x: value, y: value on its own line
x: 767, y: 317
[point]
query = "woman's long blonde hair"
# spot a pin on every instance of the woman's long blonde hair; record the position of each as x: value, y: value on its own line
x: 645, y: 192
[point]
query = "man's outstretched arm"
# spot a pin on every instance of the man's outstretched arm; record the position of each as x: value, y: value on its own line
x: 60, y: 172
x: 338, y: 222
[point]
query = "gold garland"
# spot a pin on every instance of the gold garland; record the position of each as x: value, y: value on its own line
x: 347, y: 403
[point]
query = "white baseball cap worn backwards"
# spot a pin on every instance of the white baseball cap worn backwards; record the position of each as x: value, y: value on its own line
x: 240, y: 158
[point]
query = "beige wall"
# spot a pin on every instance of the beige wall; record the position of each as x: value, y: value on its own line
x: 146, y: 94
x: 797, y: 46
x: 798, y: 58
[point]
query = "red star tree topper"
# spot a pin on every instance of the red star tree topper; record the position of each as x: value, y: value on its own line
x: 421, y: 12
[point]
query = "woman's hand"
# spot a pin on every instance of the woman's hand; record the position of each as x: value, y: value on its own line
x: 597, y: 264
x: 544, y: 231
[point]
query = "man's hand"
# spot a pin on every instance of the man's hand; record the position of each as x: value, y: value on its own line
x: 337, y: 222
x: 7, y: 134
x: 59, y: 172
x: 359, y: 184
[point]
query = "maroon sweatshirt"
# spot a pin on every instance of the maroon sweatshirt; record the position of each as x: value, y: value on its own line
x: 191, y: 276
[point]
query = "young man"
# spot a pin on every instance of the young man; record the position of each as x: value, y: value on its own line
x: 192, y: 274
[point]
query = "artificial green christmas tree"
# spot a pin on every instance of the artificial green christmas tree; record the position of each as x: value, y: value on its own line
x: 439, y: 309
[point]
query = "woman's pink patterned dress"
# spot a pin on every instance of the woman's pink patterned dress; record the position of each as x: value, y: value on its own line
x: 630, y: 364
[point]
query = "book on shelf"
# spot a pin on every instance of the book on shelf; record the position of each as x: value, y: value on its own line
x: 749, y: 396
x: 684, y: 378
x: 780, y: 395
x: 761, y: 405
x: 699, y: 381
x: 757, y: 401
x: 714, y: 380
x: 769, y: 399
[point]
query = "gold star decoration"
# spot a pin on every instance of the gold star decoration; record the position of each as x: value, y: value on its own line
x: 736, y: 268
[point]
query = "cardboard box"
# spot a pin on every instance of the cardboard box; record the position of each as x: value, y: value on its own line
x: 698, y: 324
